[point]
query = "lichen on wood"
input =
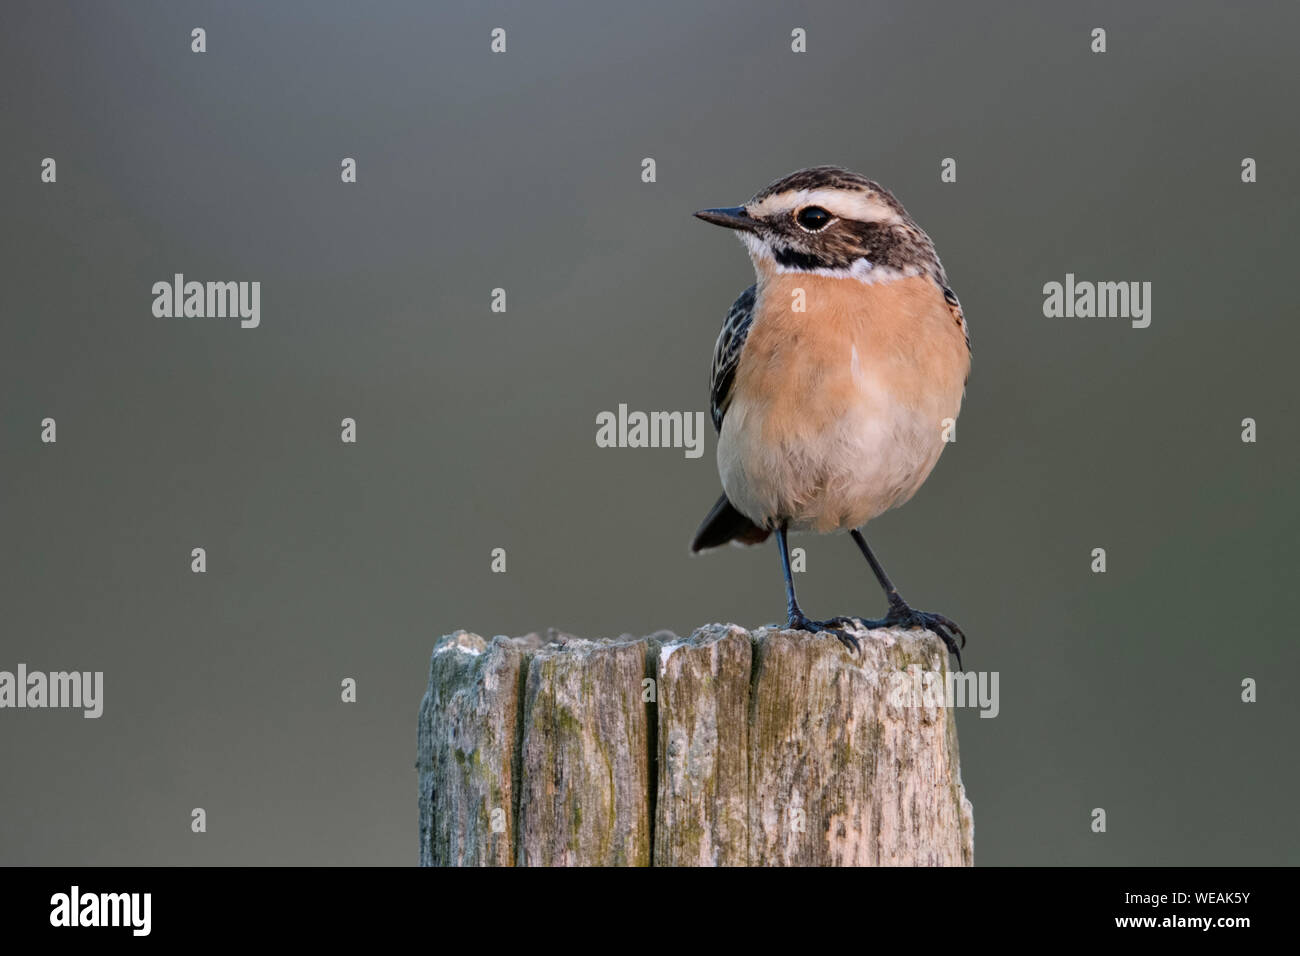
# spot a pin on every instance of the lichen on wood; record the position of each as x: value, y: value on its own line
x: 724, y: 748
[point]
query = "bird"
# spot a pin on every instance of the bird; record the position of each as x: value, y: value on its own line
x: 836, y: 379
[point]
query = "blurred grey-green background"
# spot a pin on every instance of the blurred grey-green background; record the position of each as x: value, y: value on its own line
x: 477, y: 430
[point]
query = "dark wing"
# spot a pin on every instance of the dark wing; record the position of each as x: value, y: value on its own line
x: 959, y: 317
x: 724, y: 523
x: 726, y: 354
x: 950, y: 298
x: 954, y: 307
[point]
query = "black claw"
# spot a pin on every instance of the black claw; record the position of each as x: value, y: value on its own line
x: 847, y: 639
x: 945, y: 622
x: 799, y: 622
x: 853, y: 622
x: 952, y: 646
x: 900, y: 615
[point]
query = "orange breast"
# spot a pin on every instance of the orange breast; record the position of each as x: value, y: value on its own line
x: 807, y: 369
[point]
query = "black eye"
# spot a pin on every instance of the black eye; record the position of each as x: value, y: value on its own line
x: 813, y: 218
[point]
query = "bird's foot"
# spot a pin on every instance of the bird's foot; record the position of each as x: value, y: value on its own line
x: 901, y: 615
x: 800, y: 622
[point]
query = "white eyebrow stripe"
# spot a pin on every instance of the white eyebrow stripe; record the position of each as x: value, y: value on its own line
x: 842, y: 203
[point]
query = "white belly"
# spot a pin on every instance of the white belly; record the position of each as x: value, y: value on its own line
x: 838, y: 413
x: 868, y: 460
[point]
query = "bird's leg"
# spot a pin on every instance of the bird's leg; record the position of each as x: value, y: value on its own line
x: 891, y: 592
x: 798, y: 621
x: 900, y: 613
x: 792, y: 608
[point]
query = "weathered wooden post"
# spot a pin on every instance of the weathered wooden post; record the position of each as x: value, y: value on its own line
x: 727, y: 748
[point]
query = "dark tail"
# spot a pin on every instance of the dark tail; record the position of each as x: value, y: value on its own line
x: 724, y: 523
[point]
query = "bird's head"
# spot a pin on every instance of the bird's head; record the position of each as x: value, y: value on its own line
x: 830, y: 221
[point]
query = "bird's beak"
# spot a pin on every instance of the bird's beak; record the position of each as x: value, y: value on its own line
x: 732, y: 217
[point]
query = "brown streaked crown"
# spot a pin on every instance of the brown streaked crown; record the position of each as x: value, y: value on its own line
x: 828, y: 220
x: 866, y: 225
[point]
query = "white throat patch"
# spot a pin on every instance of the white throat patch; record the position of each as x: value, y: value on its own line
x: 860, y: 269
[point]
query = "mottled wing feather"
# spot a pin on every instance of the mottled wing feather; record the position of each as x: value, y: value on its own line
x: 958, y: 316
x: 726, y: 354
x: 724, y: 523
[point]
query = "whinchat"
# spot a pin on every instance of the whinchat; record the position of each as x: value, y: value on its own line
x: 837, y: 376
